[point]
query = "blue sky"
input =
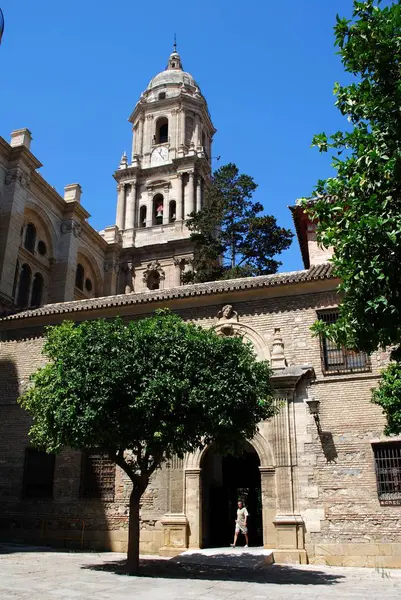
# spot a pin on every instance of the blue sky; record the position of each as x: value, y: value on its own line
x: 73, y: 71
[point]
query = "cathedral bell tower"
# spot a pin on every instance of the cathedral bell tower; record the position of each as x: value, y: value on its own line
x: 164, y: 180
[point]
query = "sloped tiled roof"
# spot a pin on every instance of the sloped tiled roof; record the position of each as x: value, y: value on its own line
x: 199, y: 289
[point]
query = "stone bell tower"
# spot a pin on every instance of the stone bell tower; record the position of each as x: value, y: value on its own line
x: 163, y: 180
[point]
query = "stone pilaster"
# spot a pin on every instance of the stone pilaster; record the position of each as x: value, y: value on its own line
x: 190, y: 206
x: 193, y: 503
x: 120, y: 206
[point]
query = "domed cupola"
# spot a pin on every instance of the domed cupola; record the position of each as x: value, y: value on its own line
x: 174, y: 76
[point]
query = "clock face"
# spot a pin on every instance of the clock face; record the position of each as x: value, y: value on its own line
x: 159, y: 156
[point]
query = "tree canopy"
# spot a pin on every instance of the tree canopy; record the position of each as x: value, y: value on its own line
x: 358, y: 210
x: 231, y: 237
x: 144, y: 392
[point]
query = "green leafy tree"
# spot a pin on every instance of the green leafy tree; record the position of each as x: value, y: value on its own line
x: 230, y: 236
x: 358, y: 211
x: 144, y: 392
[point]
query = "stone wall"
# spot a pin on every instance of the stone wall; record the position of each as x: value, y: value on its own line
x: 331, y: 468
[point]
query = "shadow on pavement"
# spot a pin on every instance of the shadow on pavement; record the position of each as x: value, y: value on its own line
x: 199, y: 568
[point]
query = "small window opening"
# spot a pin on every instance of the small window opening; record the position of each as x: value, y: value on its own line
x: 142, y: 216
x: 172, y: 212
x: 30, y: 237
x: 158, y: 209
x: 98, y: 475
x: 88, y: 285
x: 388, y: 472
x: 154, y: 280
x: 337, y: 359
x: 189, y: 130
x: 24, y: 286
x: 42, y: 248
x: 162, y: 131
x: 37, y: 290
x: 162, y: 96
x: 79, y: 277
x: 38, y: 474
x: 173, y: 65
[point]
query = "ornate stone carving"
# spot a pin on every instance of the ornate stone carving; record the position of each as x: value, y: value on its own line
x: 228, y: 322
x: 111, y: 265
x: 71, y: 226
x: 18, y: 176
x: 227, y: 313
x: 153, y: 267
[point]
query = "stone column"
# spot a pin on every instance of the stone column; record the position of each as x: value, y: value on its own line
x: 180, y: 197
x: 182, y: 126
x: 140, y: 141
x: 166, y: 204
x: 130, y: 207
x: 149, y: 208
x: 191, y: 194
x: 197, y: 141
x: 177, y: 272
x: 198, y: 193
x: 193, y: 503
x: 120, y: 206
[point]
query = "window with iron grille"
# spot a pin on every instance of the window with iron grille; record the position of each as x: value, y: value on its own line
x: 388, y: 472
x: 38, y: 474
x: 337, y: 359
x: 97, y: 476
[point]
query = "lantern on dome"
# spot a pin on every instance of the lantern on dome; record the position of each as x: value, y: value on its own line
x: 1, y: 24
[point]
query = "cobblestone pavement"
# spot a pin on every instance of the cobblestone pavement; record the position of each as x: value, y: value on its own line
x: 30, y: 574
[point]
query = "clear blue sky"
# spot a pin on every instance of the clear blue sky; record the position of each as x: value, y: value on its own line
x: 72, y: 72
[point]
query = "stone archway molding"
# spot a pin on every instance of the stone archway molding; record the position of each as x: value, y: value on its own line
x: 263, y: 448
x: 246, y: 332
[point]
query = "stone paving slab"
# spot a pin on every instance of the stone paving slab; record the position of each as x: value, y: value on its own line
x: 39, y: 574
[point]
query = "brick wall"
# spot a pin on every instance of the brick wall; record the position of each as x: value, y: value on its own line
x: 334, y: 470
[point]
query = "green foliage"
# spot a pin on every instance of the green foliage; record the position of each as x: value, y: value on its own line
x: 157, y: 387
x: 144, y: 392
x: 231, y: 238
x: 358, y: 211
x: 388, y: 396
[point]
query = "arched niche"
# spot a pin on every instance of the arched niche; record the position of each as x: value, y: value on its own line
x: 231, y: 327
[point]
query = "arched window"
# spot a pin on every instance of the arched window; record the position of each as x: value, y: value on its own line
x: 37, y: 290
x: 79, y: 277
x: 189, y: 130
x: 30, y: 237
x: 24, y: 286
x: 158, y: 208
x: 172, y: 212
x: 142, y: 216
x: 162, y: 130
x: 154, y: 280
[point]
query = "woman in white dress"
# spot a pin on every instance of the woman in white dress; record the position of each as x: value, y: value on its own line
x: 241, y: 524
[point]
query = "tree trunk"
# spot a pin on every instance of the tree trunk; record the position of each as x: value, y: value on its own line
x: 133, y: 531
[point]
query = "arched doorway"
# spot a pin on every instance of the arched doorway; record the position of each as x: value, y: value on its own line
x: 225, y: 480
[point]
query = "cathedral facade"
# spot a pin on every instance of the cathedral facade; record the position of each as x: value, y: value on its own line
x: 321, y: 481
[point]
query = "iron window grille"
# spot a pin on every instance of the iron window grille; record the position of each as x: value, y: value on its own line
x: 97, y: 476
x: 38, y: 475
x: 388, y: 472
x: 337, y: 359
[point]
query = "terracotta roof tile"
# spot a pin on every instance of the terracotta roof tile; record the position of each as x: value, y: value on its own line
x: 199, y: 289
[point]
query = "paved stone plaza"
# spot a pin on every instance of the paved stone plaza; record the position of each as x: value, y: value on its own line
x: 35, y: 574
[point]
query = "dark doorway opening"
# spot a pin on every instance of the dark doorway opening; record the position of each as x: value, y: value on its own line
x: 225, y: 480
